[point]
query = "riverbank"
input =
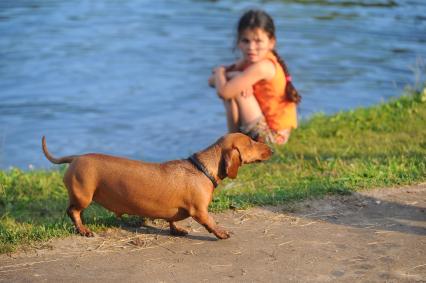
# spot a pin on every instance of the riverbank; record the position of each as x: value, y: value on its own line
x: 380, y: 146
x: 370, y: 236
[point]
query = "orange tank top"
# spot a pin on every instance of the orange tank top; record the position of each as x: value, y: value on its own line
x: 279, y: 113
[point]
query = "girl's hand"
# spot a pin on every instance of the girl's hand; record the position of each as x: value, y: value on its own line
x: 219, y: 74
x: 219, y: 70
x: 212, y: 78
x: 211, y: 81
x: 248, y: 92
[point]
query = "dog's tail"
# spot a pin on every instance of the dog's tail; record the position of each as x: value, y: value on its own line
x: 65, y: 159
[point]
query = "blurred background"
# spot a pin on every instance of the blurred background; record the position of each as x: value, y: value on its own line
x: 129, y: 77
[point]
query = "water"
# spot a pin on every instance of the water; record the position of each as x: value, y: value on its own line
x: 130, y: 77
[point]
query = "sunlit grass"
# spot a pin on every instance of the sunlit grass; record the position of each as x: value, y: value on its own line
x: 381, y: 146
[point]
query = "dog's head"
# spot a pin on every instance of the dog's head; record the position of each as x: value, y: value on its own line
x: 239, y: 149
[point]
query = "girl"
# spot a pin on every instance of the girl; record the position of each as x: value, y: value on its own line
x: 258, y: 95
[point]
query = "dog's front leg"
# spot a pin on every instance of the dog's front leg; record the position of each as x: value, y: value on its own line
x: 208, y: 222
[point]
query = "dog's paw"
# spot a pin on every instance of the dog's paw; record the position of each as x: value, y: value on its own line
x: 222, y: 234
x: 86, y: 232
x: 89, y: 234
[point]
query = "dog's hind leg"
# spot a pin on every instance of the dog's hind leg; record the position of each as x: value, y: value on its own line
x: 80, y: 196
x: 177, y: 231
x: 75, y: 213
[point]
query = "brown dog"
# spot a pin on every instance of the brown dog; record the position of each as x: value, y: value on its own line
x: 173, y: 190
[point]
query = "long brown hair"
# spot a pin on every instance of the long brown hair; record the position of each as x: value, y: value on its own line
x: 254, y: 19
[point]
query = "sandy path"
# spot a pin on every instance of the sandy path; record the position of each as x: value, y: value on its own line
x: 373, y: 236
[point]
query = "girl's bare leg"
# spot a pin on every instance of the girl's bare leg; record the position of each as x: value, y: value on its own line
x: 242, y: 110
x: 232, y: 115
x: 248, y: 108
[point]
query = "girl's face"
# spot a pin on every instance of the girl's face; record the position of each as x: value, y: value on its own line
x: 254, y: 44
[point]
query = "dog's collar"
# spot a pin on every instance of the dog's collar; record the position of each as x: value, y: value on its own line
x: 197, y: 163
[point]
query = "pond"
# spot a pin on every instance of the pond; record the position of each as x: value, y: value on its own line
x: 129, y: 77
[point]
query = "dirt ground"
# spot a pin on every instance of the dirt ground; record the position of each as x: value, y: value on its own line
x: 376, y: 236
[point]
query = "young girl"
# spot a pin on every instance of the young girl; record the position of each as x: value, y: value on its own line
x: 258, y: 95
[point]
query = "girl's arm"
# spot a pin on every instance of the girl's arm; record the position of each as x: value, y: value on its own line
x: 228, y: 89
x: 238, y: 65
x: 229, y: 75
x: 235, y: 67
x: 231, y: 72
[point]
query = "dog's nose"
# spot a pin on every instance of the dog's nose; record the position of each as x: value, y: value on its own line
x: 266, y: 154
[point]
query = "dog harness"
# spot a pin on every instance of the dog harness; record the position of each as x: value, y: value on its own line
x: 197, y: 163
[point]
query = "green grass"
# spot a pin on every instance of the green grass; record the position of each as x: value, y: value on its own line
x: 380, y: 146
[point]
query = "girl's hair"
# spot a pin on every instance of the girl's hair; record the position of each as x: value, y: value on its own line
x: 254, y: 19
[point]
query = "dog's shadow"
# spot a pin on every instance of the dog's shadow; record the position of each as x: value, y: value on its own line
x: 148, y: 229
x: 145, y: 226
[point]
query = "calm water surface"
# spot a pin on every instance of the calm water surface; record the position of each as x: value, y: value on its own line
x: 130, y: 77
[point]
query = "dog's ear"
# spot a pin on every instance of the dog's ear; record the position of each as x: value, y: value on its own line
x: 232, y: 163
